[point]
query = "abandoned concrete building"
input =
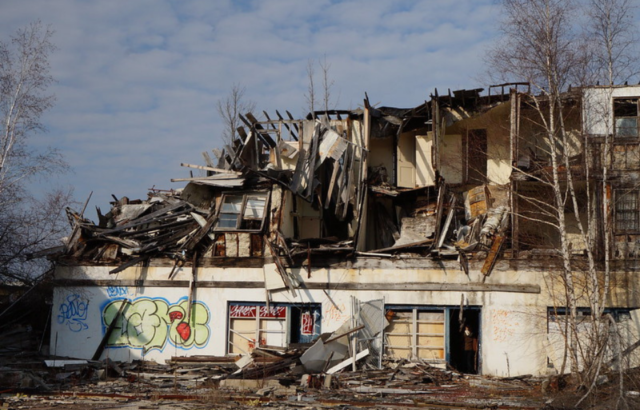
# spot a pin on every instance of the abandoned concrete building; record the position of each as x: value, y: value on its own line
x: 395, y: 229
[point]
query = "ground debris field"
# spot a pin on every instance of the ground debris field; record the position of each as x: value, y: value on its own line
x: 205, y: 382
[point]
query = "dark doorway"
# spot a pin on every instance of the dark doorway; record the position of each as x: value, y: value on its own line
x: 464, y: 349
x: 477, y: 156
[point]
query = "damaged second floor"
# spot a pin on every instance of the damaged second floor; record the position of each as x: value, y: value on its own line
x: 450, y: 178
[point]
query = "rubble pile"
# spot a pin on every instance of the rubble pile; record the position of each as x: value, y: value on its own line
x: 203, y: 380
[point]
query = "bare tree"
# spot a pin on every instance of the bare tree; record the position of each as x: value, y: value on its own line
x: 327, y: 83
x: 24, y: 80
x: 230, y: 108
x: 537, y: 45
x: 34, y: 225
x: 27, y: 223
x: 542, y: 46
x: 310, y: 96
x: 614, y: 36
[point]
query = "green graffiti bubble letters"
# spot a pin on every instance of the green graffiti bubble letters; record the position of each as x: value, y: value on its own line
x: 151, y: 323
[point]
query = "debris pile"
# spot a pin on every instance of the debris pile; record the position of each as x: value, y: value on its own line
x: 207, y: 380
x: 288, y: 189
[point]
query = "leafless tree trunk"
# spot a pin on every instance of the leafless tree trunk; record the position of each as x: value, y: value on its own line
x: 613, y: 34
x: 541, y: 46
x: 310, y: 96
x: 327, y: 83
x: 538, y: 45
x: 230, y: 109
x: 27, y: 223
x: 24, y: 80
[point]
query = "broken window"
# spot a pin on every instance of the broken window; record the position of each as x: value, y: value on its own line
x: 556, y: 329
x: 243, y: 212
x: 625, y: 112
x: 627, y: 211
x: 253, y: 325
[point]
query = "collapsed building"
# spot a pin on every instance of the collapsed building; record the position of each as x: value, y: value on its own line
x: 386, y: 230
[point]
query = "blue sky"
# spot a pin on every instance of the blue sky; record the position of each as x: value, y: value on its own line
x: 138, y: 80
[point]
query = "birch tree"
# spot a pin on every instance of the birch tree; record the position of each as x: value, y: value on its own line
x: 27, y: 223
x: 24, y: 82
x: 538, y: 47
x: 542, y: 45
x: 613, y: 36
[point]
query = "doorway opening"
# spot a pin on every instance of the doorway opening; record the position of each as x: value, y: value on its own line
x: 464, y: 340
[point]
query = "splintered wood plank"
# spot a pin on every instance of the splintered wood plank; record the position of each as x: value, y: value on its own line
x: 293, y: 134
x: 492, y: 257
x: 292, y: 119
x: 208, y: 168
x: 263, y: 135
x: 207, y: 159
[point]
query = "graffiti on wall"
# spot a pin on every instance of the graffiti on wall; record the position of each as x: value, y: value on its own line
x: 307, y: 323
x: 249, y: 311
x: 73, y: 311
x: 150, y: 323
x: 337, y: 313
x: 115, y: 291
x: 505, y: 325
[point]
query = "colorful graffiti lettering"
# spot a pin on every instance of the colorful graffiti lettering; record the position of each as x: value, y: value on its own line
x: 73, y: 312
x: 149, y: 323
x: 248, y: 311
x: 115, y: 291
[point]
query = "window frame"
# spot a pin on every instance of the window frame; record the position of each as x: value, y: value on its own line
x: 259, y: 312
x: 619, y: 193
x: 241, y: 217
x: 414, y: 335
x: 616, y: 117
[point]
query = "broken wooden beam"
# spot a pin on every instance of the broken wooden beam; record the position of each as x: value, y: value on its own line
x: 208, y: 168
x: 107, y: 334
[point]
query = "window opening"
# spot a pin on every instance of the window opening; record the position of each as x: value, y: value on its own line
x: 242, y: 212
x: 435, y: 335
x: 625, y: 112
x: 252, y: 325
x: 627, y: 211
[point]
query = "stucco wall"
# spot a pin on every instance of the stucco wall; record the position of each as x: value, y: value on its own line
x: 513, y: 334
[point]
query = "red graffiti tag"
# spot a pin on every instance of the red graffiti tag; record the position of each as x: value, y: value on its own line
x: 184, y: 330
x: 175, y: 316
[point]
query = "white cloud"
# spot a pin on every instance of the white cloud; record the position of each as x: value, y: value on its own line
x: 138, y: 81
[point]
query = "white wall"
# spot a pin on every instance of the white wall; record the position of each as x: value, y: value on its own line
x: 597, y: 107
x: 513, y: 334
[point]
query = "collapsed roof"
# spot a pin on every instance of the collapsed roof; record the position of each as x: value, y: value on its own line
x: 287, y: 188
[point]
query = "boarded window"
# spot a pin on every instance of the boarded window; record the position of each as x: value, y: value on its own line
x: 627, y: 211
x: 625, y: 113
x: 416, y: 334
x: 242, y: 212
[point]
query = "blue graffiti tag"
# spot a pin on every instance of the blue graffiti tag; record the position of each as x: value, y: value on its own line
x: 115, y: 291
x: 73, y: 312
